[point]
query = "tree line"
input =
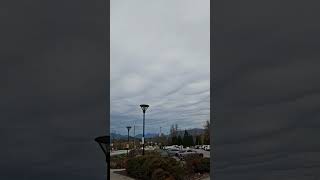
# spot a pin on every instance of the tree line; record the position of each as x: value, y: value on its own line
x: 188, y: 139
x: 174, y: 138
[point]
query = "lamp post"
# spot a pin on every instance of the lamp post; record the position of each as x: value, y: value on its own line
x: 134, y: 135
x: 104, y: 142
x: 128, y: 127
x: 144, y: 107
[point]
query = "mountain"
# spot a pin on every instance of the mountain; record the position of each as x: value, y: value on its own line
x: 148, y: 135
x: 117, y: 136
x: 124, y: 137
x: 193, y: 132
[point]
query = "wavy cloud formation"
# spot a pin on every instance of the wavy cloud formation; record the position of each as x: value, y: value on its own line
x: 160, y: 56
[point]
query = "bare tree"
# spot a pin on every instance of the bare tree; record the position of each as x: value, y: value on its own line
x: 206, y: 138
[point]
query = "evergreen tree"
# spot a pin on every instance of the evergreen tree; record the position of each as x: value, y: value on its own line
x: 185, y: 139
x: 197, y: 140
x: 173, y: 134
x: 180, y: 142
x: 174, y: 140
x: 191, y: 142
x: 206, y: 139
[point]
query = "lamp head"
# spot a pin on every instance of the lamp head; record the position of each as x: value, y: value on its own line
x: 104, y: 143
x: 144, y: 107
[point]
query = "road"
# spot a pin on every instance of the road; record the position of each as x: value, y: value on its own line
x: 118, y: 152
x: 205, y: 153
x: 116, y: 176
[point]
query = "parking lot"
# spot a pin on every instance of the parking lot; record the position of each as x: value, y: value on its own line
x: 113, y: 153
x: 205, y: 153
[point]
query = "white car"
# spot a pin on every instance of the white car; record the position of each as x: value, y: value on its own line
x: 173, y: 151
x: 207, y: 148
x: 184, y: 154
x: 148, y: 148
x: 169, y: 147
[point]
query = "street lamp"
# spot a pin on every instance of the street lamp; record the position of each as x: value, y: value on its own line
x: 128, y: 127
x: 144, y: 107
x: 104, y: 142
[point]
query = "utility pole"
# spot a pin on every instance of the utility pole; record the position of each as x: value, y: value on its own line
x: 134, y: 136
x: 113, y: 140
x: 144, y: 107
x: 128, y: 146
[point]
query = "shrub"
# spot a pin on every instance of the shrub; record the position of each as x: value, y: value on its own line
x: 203, y: 166
x: 136, y: 152
x: 193, y: 156
x: 148, y: 166
x: 134, y: 167
x: 118, y: 162
x: 197, y: 165
x: 160, y: 174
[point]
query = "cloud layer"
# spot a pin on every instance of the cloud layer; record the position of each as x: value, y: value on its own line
x: 160, y: 54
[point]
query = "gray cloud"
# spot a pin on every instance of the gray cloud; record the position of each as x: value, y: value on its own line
x: 160, y: 56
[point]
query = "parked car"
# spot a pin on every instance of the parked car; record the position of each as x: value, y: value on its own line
x: 205, y: 147
x: 172, y: 147
x: 163, y: 153
x: 189, y: 152
x: 180, y: 152
x: 172, y: 151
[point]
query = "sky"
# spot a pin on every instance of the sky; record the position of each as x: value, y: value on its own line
x: 160, y: 55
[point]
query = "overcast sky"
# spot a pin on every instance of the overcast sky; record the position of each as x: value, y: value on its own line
x: 160, y: 54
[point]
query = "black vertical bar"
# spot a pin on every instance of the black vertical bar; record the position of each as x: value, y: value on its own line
x: 108, y: 82
x: 128, y: 144
x: 143, y: 134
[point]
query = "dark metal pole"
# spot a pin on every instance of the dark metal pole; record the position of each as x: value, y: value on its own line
x: 104, y: 143
x: 108, y: 169
x: 128, y: 144
x: 144, y: 107
x: 134, y: 136
x: 143, y: 132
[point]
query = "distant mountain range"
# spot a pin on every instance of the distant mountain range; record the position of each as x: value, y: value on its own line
x: 148, y: 135
x: 139, y: 136
x: 193, y: 132
x: 117, y: 136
